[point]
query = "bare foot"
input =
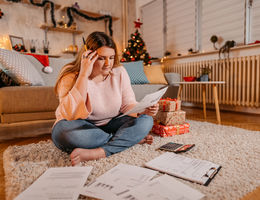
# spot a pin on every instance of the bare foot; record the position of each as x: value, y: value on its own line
x: 148, y: 139
x: 79, y: 155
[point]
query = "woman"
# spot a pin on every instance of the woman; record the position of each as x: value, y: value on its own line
x: 93, y: 90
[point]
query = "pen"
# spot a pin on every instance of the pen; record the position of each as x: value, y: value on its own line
x: 84, y: 42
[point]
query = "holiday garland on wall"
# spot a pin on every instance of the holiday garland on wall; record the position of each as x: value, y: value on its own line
x: 69, y: 10
x: 44, y: 2
x: 72, y: 9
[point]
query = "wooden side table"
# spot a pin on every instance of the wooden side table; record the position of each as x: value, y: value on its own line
x: 215, y: 94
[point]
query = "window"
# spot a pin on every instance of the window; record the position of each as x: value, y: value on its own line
x: 191, y: 23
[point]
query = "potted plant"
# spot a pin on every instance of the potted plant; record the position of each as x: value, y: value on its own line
x: 205, y: 71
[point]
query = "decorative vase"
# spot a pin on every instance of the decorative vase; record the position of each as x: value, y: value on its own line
x: 32, y: 50
x: 46, y: 51
x: 204, y: 77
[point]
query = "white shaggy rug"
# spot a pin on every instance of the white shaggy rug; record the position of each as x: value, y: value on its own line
x: 236, y: 150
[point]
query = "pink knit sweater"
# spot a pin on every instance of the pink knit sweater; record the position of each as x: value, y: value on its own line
x: 105, y: 99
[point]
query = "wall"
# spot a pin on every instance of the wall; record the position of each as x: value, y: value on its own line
x: 24, y: 21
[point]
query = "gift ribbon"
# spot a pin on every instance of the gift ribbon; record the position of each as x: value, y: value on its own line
x: 166, y: 100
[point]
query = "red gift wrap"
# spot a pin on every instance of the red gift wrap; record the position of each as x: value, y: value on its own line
x: 166, y: 131
x: 169, y: 104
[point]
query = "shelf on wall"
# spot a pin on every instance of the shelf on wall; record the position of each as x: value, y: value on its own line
x: 49, y: 55
x: 59, y: 29
x: 91, y: 14
x: 56, y: 6
x: 70, y: 52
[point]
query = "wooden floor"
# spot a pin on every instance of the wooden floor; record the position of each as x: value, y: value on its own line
x: 246, y: 121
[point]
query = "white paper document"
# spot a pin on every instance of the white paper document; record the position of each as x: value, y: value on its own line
x: 57, y: 183
x: 195, y: 170
x: 163, y: 188
x: 117, y: 181
x: 147, y: 101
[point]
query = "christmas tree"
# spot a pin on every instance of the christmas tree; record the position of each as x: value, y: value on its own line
x: 136, y: 49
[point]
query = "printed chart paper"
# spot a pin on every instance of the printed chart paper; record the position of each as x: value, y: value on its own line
x: 163, y: 187
x: 57, y: 183
x: 117, y: 181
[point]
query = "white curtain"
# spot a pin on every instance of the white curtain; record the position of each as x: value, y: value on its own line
x: 255, y: 25
x: 152, y: 28
x: 224, y: 19
x: 181, y: 26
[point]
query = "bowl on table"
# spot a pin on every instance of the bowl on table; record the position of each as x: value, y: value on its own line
x: 189, y: 78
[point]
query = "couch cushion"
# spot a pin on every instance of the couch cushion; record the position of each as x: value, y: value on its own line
x: 136, y: 73
x: 25, y: 129
x: 27, y: 99
x: 6, y: 80
x: 19, y: 68
x: 173, y: 77
x: 22, y: 117
x: 55, y: 63
x: 154, y: 74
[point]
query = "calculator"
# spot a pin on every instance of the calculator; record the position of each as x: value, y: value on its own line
x: 176, y: 147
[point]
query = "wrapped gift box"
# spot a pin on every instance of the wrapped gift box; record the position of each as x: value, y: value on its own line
x: 169, y: 104
x: 166, y: 131
x: 171, y: 118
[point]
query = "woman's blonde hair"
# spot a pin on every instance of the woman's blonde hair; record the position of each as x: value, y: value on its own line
x: 94, y: 41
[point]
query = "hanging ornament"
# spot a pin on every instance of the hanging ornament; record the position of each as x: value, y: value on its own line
x: 1, y: 13
x: 138, y: 23
x: 133, y: 59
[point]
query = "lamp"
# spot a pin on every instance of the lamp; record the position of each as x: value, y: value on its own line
x: 5, y: 42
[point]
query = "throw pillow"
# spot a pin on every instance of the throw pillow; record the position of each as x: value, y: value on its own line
x: 154, y: 74
x: 136, y: 73
x: 6, y: 80
x: 173, y: 77
x: 19, y: 68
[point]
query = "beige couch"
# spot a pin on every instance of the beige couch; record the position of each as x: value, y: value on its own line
x: 27, y: 111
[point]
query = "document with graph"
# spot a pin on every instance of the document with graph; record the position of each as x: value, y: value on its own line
x: 195, y: 170
x: 163, y: 187
x: 117, y: 181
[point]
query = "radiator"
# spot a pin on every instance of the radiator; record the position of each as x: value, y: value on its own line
x: 241, y: 74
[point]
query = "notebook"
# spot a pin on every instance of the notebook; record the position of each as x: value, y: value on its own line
x: 195, y: 170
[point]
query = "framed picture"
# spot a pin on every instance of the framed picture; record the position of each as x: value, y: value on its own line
x: 17, y: 43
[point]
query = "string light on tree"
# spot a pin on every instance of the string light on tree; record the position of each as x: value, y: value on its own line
x: 136, y: 49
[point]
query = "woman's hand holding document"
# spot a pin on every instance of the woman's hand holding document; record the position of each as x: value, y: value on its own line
x: 146, y: 102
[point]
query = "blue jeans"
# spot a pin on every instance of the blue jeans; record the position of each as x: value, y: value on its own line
x: 116, y: 136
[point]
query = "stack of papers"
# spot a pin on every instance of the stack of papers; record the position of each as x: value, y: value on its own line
x: 125, y: 182
x: 57, y: 183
